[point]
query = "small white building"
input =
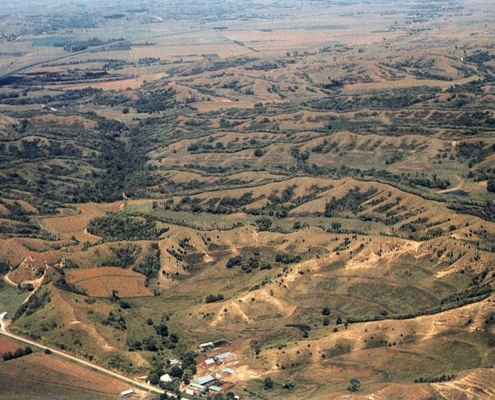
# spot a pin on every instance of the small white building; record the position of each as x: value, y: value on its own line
x: 205, y: 346
x: 165, y: 378
x: 224, y: 357
x: 190, y: 392
x: 209, y: 362
x: 215, y: 389
x: 228, y: 371
x: 127, y: 393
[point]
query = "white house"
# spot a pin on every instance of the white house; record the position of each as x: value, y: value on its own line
x: 165, y: 378
x: 209, y: 362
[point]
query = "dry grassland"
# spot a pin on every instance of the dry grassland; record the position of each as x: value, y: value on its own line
x: 99, y: 282
x: 75, y: 225
x: 43, y: 376
x: 320, y: 75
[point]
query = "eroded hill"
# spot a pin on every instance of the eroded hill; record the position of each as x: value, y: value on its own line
x: 314, y: 195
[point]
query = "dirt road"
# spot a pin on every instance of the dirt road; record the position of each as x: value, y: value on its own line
x: 140, y: 385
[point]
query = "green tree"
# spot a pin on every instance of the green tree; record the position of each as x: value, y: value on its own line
x: 263, y: 223
x: 176, y: 372
x: 268, y: 383
x: 161, y: 330
x: 491, y: 185
x: 289, y: 385
x: 336, y: 226
x: 114, y: 297
x: 187, y: 376
x: 354, y: 385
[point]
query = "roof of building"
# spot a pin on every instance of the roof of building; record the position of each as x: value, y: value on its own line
x: 209, y: 361
x: 203, y: 380
x: 207, y: 344
x: 198, y: 386
x: 165, y: 378
x: 215, y: 388
x: 228, y: 371
x: 223, y: 355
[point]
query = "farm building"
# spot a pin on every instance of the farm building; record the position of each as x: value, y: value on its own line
x: 204, y: 380
x: 199, y: 388
x: 215, y: 389
x: 228, y: 371
x: 206, y: 346
x: 127, y: 393
x: 224, y: 357
x: 190, y: 392
x: 209, y: 362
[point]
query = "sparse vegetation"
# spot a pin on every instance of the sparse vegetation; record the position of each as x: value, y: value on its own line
x: 354, y: 385
x: 305, y: 204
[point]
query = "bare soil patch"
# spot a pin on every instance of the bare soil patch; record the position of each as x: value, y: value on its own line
x: 7, y: 345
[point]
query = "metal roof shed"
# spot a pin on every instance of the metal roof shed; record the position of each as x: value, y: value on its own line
x: 203, y: 380
x: 224, y: 356
x: 229, y: 371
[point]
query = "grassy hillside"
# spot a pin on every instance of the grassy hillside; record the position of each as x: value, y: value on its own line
x: 314, y: 193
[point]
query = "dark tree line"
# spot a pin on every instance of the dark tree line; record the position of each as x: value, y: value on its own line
x: 17, y: 354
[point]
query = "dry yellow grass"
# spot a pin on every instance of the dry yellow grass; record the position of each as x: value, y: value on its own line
x: 100, y: 282
x: 75, y: 225
x: 24, y: 377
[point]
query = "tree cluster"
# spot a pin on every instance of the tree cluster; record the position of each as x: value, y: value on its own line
x: 17, y: 354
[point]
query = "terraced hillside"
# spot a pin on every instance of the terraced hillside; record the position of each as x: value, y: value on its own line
x: 314, y: 194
